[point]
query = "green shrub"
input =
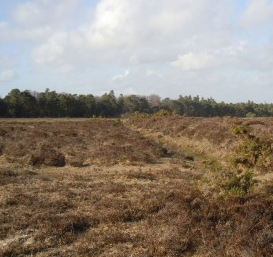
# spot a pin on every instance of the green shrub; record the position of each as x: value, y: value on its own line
x: 162, y: 112
x: 138, y: 115
x: 241, y: 184
x: 214, y: 165
x: 117, y: 122
x: 252, y: 152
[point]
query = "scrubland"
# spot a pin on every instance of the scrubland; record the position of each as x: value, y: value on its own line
x: 155, y: 186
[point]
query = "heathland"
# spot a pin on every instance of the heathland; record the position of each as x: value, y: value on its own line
x: 142, y: 186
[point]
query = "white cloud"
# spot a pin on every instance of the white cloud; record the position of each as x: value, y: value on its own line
x: 7, y: 75
x: 50, y: 51
x: 114, y: 23
x: 30, y: 34
x: 6, y: 61
x: 132, y: 24
x: 132, y: 32
x: 40, y: 12
x: 65, y: 68
x: 121, y: 76
x: 36, y: 21
x: 257, y: 13
x: 147, y: 41
x: 186, y: 17
x: 193, y: 61
x: 3, y: 25
x: 28, y: 12
x: 238, y: 49
x: 153, y: 73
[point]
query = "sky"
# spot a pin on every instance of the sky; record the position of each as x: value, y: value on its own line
x: 211, y: 48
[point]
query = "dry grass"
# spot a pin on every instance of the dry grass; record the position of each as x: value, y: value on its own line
x: 148, y: 211
x: 149, y: 201
x: 76, y: 143
x: 211, y: 139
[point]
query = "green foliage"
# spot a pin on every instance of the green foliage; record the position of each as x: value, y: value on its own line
x: 241, y: 184
x: 20, y: 104
x: 138, y: 115
x: 162, y: 112
x: 118, y: 122
x: 252, y: 152
x: 3, y: 108
x: 134, y: 103
x: 53, y: 104
x: 107, y: 105
x: 214, y: 165
x: 250, y: 115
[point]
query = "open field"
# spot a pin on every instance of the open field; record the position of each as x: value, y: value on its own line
x: 158, y: 186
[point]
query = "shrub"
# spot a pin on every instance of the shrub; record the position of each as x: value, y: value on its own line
x: 1, y: 148
x: 75, y: 161
x: 163, y: 112
x: 241, y: 184
x: 117, y: 122
x: 49, y: 158
x: 214, y: 165
x: 138, y: 115
x: 252, y: 151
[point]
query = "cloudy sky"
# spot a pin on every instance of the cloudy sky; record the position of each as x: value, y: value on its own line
x: 212, y: 48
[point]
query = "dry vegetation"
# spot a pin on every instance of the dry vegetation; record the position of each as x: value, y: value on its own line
x: 209, y: 138
x: 77, y: 143
x: 142, y: 188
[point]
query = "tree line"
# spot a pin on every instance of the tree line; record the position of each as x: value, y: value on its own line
x: 19, y: 104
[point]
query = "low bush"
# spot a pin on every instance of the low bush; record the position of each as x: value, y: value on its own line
x: 240, y: 184
x: 49, y: 158
x: 252, y: 152
x: 163, y: 112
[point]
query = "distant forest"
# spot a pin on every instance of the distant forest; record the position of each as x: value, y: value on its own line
x: 19, y: 104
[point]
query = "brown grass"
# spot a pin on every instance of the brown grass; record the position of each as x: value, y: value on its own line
x: 211, y: 139
x: 76, y: 143
x: 151, y: 200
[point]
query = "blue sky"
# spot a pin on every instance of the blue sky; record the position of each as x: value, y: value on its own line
x: 220, y: 49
